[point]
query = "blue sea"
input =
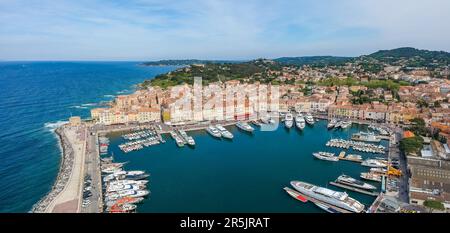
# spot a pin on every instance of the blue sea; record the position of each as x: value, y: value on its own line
x: 36, y: 97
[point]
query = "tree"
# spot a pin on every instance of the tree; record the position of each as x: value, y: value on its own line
x: 411, y: 145
x: 434, y: 204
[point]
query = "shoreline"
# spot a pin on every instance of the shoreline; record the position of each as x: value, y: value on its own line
x: 66, y: 193
x: 67, y: 166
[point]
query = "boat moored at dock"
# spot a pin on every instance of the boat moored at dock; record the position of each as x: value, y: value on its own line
x: 365, y: 137
x: 309, y: 119
x: 300, y: 121
x: 213, y: 131
x: 244, y: 126
x: 224, y: 132
x: 371, y: 176
x: 187, y: 139
x: 298, y: 196
x: 288, y: 120
x: 326, y: 156
x: 331, y: 123
x: 374, y: 163
x: 350, y: 181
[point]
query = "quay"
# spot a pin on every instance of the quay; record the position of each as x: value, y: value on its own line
x: 65, y: 196
x: 79, y: 159
x: 354, y: 189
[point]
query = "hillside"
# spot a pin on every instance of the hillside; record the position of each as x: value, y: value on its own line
x: 314, y: 60
x: 412, y: 57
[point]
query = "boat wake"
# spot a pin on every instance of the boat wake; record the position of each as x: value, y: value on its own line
x: 89, y: 104
x: 78, y: 107
x: 123, y: 91
x: 109, y: 96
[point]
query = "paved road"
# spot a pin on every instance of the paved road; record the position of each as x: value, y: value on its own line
x: 403, y: 180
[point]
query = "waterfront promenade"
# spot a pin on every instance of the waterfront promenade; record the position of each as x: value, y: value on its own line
x: 66, y: 194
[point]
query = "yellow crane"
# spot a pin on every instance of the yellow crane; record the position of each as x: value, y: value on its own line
x: 393, y: 172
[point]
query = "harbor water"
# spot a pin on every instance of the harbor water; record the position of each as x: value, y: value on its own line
x: 246, y: 174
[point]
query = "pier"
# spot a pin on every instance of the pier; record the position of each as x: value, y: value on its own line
x: 66, y: 194
x: 354, y: 189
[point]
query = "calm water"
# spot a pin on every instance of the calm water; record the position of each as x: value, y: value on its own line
x: 34, y: 98
x: 246, y: 174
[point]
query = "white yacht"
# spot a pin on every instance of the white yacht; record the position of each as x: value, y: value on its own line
x: 365, y: 137
x: 288, y: 120
x: 350, y: 181
x: 331, y: 123
x: 346, y: 124
x: 300, y: 121
x: 326, y: 156
x: 224, y: 132
x: 129, y: 182
x: 309, y: 119
x: 328, y: 196
x: 213, y: 131
x: 188, y: 139
x: 117, y: 188
x: 244, y: 126
x: 373, y: 163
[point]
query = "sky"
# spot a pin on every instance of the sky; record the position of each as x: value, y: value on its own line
x: 209, y: 29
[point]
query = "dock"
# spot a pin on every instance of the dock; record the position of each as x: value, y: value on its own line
x: 354, y: 189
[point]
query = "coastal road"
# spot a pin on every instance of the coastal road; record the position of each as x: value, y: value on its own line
x: 92, y: 164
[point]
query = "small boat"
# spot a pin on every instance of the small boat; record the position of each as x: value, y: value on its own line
x: 125, y: 200
x: 288, y: 120
x: 244, y: 126
x: 371, y: 176
x: 309, y: 119
x: 373, y: 163
x: 126, y: 208
x: 346, y: 124
x: 350, y: 181
x: 295, y: 194
x: 300, y: 121
x: 213, y: 131
x: 326, y: 156
x: 129, y: 182
x: 224, y: 132
x: 331, y: 123
x: 188, y: 139
x: 328, y: 209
